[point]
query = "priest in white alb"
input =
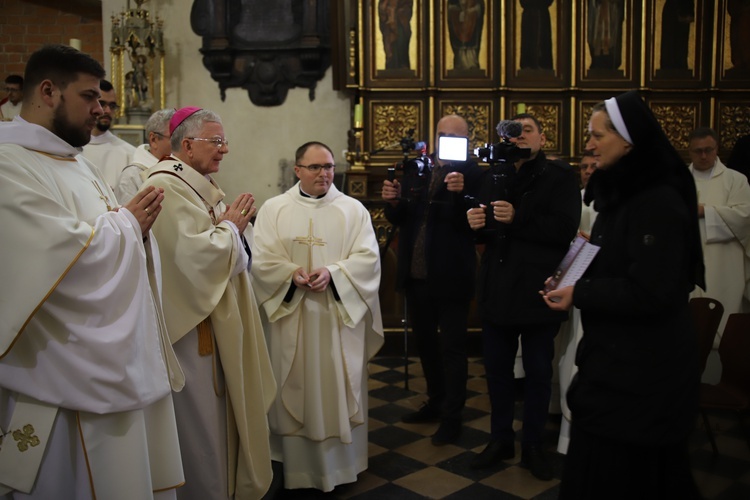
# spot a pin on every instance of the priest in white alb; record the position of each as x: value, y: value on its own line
x: 724, y: 221
x: 212, y: 317
x: 86, y: 367
x: 130, y: 180
x: 316, y: 274
x: 105, y: 150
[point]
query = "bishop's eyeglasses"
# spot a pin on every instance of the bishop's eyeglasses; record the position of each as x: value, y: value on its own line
x: 315, y: 167
x: 216, y: 141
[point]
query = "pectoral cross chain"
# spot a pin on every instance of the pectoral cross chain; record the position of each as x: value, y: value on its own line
x: 103, y: 196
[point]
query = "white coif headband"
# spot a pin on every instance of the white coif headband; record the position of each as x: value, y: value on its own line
x: 614, y: 114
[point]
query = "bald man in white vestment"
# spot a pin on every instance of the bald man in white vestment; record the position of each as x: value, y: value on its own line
x: 316, y: 273
x: 86, y: 367
x: 212, y: 317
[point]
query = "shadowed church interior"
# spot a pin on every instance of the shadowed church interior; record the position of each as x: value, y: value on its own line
x: 368, y: 77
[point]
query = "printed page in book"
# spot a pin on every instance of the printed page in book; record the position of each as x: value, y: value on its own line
x: 580, y: 255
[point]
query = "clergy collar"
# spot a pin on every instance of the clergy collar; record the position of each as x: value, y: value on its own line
x: 305, y: 195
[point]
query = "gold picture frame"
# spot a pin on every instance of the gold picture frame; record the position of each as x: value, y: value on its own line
x: 395, y: 30
x: 465, y: 52
x: 607, y: 43
x: 675, y: 48
x: 538, y: 43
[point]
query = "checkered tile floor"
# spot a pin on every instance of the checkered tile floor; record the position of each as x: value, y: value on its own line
x: 403, y: 463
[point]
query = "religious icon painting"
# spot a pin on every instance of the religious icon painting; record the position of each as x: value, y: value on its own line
x: 538, y: 42
x: 466, y: 55
x: 676, y: 53
x: 733, y: 29
x: 396, y: 31
x: 607, y: 43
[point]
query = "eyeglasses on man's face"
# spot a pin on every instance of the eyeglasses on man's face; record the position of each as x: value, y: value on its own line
x: 315, y: 167
x: 216, y: 141
x: 11, y: 89
x: 113, y: 106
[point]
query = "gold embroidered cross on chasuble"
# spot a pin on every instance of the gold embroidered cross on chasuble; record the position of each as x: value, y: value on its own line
x: 310, y: 240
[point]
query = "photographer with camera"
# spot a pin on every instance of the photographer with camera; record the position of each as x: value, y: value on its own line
x: 436, y: 269
x: 536, y: 220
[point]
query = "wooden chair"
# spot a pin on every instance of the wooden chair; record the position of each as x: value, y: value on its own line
x: 707, y: 314
x: 733, y: 390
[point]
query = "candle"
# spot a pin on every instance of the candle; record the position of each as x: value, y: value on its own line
x: 357, y: 116
x: 75, y: 43
x: 520, y: 108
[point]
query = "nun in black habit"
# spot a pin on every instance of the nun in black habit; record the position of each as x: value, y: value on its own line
x: 634, y: 399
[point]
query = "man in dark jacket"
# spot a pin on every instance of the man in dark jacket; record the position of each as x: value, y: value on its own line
x: 436, y: 269
x: 535, y: 215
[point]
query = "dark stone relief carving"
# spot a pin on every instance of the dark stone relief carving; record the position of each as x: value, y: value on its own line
x: 264, y: 46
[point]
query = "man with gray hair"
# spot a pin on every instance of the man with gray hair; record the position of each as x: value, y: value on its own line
x: 146, y: 155
x: 212, y: 317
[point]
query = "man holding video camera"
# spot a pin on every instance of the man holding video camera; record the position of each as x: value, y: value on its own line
x: 533, y: 218
x: 436, y: 269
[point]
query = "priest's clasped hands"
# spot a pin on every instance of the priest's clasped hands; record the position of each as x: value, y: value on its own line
x: 316, y: 281
x: 145, y: 207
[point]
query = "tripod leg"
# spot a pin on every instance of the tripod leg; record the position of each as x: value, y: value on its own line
x: 406, y: 347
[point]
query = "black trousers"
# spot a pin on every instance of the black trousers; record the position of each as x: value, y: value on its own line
x: 500, y: 345
x: 439, y: 321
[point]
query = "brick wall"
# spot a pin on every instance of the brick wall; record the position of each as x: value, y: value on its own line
x: 26, y: 25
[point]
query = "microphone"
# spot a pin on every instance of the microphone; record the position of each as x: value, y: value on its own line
x: 508, y: 129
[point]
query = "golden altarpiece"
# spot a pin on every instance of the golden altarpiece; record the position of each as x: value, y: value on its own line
x: 406, y: 63
x: 137, y: 61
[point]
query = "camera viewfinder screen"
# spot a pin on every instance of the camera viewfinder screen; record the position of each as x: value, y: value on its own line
x: 453, y: 148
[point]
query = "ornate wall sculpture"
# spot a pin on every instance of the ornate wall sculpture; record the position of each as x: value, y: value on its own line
x: 264, y: 46
x: 137, y: 62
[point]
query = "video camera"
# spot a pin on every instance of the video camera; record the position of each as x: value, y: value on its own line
x: 421, y: 165
x: 501, y: 157
x: 504, y: 151
x: 416, y: 170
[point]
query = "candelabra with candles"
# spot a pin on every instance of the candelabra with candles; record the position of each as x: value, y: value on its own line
x: 357, y: 157
x: 140, y: 40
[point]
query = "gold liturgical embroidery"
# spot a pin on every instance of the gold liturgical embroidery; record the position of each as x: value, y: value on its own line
x: 26, y: 437
x: 310, y: 241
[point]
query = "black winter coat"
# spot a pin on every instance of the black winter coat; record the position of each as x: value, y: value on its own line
x: 638, y: 371
x: 521, y: 255
x: 450, y: 250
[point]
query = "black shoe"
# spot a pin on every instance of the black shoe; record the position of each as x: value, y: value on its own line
x: 447, y: 433
x: 427, y: 413
x: 495, y: 452
x: 534, y: 458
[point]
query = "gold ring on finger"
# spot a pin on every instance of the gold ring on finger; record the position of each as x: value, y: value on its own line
x: 147, y: 212
x: 243, y: 212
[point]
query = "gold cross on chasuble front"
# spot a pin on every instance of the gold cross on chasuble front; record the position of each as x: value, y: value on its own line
x: 310, y: 241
